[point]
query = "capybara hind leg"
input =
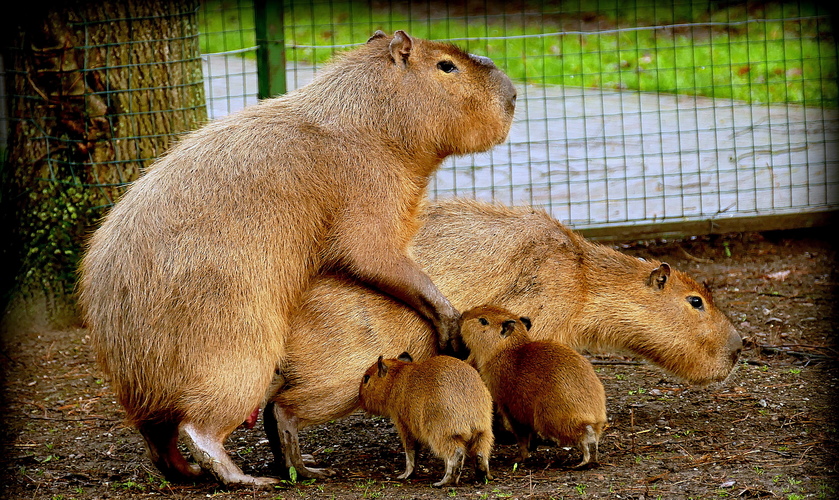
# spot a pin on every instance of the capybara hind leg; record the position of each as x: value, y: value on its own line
x: 410, y: 445
x: 482, y: 473
x: 585, y: 446
x: 524, y: 436
x: 207, y: 449
x: 281, y: 427
x: 586, y: 455
x: 162, y: 443
x: 454, y: 466
x: 481, y: 449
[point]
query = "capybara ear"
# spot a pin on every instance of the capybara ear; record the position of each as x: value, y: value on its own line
x: 507, y: 327
x: 400, y: 47
x: 377, y: 34
x: 382, y: 367
x: 526, y: 321
x: 405, y: 357
x: 659, y: 275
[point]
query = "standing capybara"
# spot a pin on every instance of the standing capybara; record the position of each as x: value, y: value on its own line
x: 189, y: 284
x: 539, y: 388
x: 579, y: 293
x: 440, y: 402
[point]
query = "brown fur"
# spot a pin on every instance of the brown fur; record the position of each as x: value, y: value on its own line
x: 440, y: 402
x: 579, y: 293
x: 189, y: 285
x: 540, y: 387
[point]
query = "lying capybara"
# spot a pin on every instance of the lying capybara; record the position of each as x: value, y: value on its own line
x: 539, y: 388
x: 440, y: 402
x: 579, y: 293
x: 189, y: 284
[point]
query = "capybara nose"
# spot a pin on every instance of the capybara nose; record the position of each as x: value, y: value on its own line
x: 735, y: 345
x: 510, y: 92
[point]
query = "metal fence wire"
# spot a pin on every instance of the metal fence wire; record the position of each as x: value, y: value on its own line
x: 630, y: 114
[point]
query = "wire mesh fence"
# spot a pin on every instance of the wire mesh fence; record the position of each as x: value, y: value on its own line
x: 629, y: 113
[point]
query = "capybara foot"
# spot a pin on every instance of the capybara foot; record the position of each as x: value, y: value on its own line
x: 245, y: 481
x: 207, y: 449
x: 482, y: 474
x: 442, y: 483
x: 310, y: 471
x: 405, y: 475
x: 315, y: 472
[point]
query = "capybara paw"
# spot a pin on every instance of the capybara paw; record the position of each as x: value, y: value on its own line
x: 448, y: 332
x: 245, y: 481
x: 444, y: 482
x: 193, y: 471
x: 315, y: 472
x: 404, y: 475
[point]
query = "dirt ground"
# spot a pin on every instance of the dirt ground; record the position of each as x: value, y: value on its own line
x: 770, y: 431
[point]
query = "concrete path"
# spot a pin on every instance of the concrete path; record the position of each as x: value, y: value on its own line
x: 601, y: 158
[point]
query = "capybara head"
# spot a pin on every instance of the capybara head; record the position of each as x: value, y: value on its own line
x: 432, y: 96
x: 377, y: 383
x: 669, y: 301
x: 488, y: 328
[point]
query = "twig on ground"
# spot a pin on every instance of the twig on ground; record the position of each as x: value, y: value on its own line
x: 694, y: 258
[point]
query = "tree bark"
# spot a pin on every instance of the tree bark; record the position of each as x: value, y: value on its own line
x: 97, y: 90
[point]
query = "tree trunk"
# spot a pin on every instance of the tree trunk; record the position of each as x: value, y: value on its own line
x: 97, y: 90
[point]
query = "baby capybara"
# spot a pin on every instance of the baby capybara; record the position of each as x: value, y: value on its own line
x: 440, y: 402
x: 189, y: 285
x: 539, y: 387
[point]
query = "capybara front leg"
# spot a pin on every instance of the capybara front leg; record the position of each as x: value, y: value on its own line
x: 403, y: 279
x: 269, y: 423
x: 286, y: 445
x: 207, y: 449
x: 162, y: 443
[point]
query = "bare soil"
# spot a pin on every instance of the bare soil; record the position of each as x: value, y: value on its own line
x: 769, y: 431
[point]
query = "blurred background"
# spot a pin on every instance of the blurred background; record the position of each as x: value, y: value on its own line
x: 635, y: 119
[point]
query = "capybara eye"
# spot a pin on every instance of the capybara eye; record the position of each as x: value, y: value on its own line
x: 366, y: 378
x: 446, y: 66
x: 696, y: 302
x: 483, y: 321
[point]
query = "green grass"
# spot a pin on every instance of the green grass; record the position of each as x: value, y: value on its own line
x: 762, y: 62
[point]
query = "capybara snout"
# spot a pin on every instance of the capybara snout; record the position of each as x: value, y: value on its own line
x: 735, y: 346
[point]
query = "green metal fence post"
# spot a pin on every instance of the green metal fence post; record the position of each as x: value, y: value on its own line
x: 270, y: 52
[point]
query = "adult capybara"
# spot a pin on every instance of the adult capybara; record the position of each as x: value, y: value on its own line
x: 579, y: 293
x: 189, y: 284
x: 440, y: 402
x: 539, y: 388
